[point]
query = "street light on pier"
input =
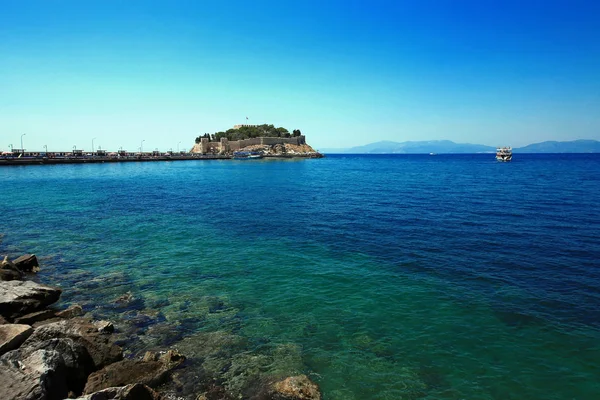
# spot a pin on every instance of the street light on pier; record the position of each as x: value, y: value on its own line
x: 22, y: 149
x: 11, y: 147
x: 46, y: 147
x: 142, y: 146
x: 178, y: 146
x: 93, y: 146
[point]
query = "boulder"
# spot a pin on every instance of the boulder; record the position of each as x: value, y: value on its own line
x: 9, y: 275
x: 74, y: 362
x: 39, y: 376
x: 12, y: 336
x: 104, y: 326
x: 36, y: 316
x: 130, y: 392
x: 73, y: 311
x: 18, y: 298
x: 296, y: 388
x: 152, y: 371
x: 9, y: 271
x: 82, y: 331
x: 27, y: 263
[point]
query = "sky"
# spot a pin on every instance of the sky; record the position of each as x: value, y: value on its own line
x: 346, y: 73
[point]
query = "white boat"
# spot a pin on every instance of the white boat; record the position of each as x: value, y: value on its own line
x: 504, y: 154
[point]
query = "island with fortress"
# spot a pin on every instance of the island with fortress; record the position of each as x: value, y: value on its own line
x: 258, y: 141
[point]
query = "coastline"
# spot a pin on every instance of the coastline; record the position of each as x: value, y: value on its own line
x: 101, y: 160
x: 48, y: 351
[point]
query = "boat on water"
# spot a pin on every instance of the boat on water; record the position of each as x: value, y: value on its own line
x: 504, y: 154
x: 246, y: 155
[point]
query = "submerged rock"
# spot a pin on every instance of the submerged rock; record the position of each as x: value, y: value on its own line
x: 296, y: 388
x: 12, y: 336
x: 152, y: 371
x: 18, y: 298
x: 27, y: 263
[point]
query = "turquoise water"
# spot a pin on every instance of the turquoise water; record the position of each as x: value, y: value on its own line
x: 381, y: 277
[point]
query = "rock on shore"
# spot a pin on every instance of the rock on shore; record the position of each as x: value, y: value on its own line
x: 22, y: 297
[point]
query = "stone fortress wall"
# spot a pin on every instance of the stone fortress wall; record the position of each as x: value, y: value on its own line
x: 225, y: 146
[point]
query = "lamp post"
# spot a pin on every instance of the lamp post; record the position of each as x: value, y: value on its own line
x: 178, y: 146
x: 22, y: 149
x: 46, y: 147
x: 93, y: 146
x: 142, y: 146
x: 11, y: 147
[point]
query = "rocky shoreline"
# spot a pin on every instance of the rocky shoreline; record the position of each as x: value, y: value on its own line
x: 49, y: 353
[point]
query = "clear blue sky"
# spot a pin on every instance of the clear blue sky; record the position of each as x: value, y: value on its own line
x: 344, y: 72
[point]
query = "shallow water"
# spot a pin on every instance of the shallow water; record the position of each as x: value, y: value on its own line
x: 382, y: 277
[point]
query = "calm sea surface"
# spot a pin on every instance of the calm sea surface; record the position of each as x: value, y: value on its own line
x: 381, y: 277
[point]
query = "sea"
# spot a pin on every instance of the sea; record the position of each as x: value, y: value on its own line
x: 377, y: 276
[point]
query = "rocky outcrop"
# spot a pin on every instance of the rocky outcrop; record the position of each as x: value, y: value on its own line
x: 34, y: 317
x: 38, y: 376
x: 152, y: 371
x: 82, y: 331
x: 295, y: 388
x: 9, y: 271
x: 12, y: 336
x: 18, y: 298
x: 130, y: 392
x: 27, y: 263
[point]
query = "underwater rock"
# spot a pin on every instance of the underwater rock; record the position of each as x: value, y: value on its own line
x: 18, y: 298
x: 296, y: 388
x: 27, y: 263
x: 152, y: 371
x: 12, y: 336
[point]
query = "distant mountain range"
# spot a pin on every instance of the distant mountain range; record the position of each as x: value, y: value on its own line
x: 449, y: 147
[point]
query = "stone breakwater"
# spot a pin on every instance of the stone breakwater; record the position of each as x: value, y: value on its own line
x: 51, y: 353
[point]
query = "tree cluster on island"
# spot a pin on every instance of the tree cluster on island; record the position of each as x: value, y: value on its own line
x: 250, y: 131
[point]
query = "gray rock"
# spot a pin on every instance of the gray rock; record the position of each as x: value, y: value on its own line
x: 27, y: 263
x: 9, y: 271
x: 9, y: 275
x: 18, y: 298
x: 82, y: 331
x: 104, y: 326
x: 130, y: 392
x: 39, y: 376
x: 75, y: 361
x: 73, y: 311
x: 12, y: 336
x: 36, y: 316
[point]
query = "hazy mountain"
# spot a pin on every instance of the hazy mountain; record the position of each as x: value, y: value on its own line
x: 576, y: 146
x: 424, y: 147
x: 449, y: 147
